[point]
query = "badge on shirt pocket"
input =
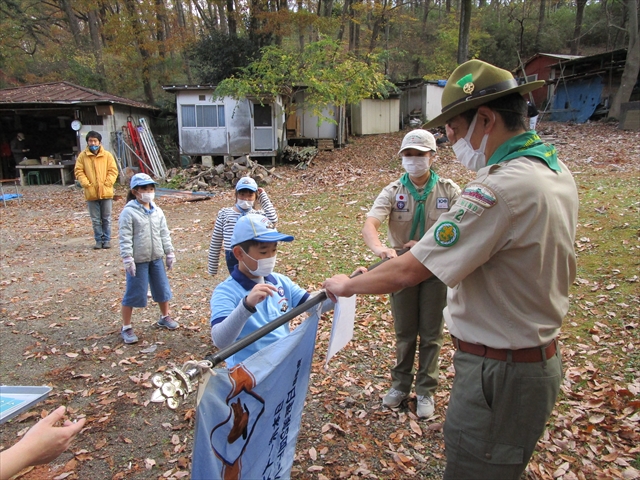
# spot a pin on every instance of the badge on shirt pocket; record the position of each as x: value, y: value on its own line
x: 401, y: 202
x: 442, y: 202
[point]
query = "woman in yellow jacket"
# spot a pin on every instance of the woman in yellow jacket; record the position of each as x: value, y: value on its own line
x: 97, y: 171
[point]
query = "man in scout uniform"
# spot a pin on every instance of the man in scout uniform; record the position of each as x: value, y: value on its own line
x: 411, y: 205
x: 505, y: 249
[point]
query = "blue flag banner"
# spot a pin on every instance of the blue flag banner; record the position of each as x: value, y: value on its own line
x: 248, y: 417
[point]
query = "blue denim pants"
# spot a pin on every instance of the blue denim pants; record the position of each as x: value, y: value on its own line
x: 100, y: 213
x: 148, y: 275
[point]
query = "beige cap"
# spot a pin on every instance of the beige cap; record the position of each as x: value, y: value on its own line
x: 420, y: 140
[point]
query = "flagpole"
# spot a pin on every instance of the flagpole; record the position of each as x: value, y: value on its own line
x: 226, y: 352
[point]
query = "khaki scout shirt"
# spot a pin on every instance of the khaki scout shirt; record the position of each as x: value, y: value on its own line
x: 396, y: 203
x: 506, y: 251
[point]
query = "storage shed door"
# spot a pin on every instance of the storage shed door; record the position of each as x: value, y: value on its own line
x: 262, y: 127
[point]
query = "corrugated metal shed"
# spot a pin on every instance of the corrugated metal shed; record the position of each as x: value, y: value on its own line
x: 63, y: 93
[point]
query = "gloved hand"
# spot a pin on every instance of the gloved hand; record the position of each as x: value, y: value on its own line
x: 170, y: 260
x: 130, y: 266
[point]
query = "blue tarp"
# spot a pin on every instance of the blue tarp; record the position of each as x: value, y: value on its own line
x: 576, y: 100
x: 10, y: 196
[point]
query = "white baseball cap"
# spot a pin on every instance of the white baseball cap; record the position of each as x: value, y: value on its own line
x: 420, y: 140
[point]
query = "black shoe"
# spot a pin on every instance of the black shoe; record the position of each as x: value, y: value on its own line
x: 106, y: 244
x: 97, y: 246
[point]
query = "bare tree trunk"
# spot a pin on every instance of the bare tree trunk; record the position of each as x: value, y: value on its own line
x: 328, y: 8
x: 632, y: 65
x: 161, y: 20
x: 183, y: 27
x: 281, y: 6
x: 180, y: 14
x: 96, y: 41
x: 301, y: 31
x: 205, y: 15
x: 189, y: 20
x: 224, y: 22
x: 354, y: 29
x: 231, y: 19
x: 463, y: 37
x: 72, y: 20
x: 378, y: 23
x: 425, y: 15
x: 621, y: 30
x: 575, y: 43
x: 541, y: 18
x: 346, y: 7
x: 138, y: 34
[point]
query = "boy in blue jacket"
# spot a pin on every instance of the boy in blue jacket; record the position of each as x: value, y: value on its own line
x: 253, y: 295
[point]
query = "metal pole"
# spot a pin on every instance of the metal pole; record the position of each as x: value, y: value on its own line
x: 525, y: 76
x: 221, y: 355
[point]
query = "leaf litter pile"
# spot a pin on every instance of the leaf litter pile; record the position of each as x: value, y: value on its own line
x: 60, y: 324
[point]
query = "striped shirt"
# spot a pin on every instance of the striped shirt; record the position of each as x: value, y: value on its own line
x: 223, y: 229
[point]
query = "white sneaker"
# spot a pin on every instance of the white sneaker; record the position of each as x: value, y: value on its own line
x: 425, y: 406
x: 394, y: 398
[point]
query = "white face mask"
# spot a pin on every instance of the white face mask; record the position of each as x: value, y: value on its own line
x: 417, y: 166
x: 467, y: 156
x: 265, y: 265
x: 244, y: 204
x: 147, y: 197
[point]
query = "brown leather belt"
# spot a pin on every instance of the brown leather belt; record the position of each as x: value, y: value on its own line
x: 524, y: 355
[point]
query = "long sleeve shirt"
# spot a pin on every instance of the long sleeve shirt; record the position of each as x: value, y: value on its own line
x: 223, y: 229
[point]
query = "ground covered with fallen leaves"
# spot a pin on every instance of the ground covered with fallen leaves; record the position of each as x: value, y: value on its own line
x: 60, y: 322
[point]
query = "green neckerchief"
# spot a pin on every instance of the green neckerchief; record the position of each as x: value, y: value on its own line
x: 526, y: 144
x: 419, y: 217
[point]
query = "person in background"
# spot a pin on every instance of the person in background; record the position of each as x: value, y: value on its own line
x: 8, y: 163
x: 18, y: 148
x: 411, y: 205
x: 506, y: 252
x: 43, y: 443
x: 97, y: 172
x: 532, y: 114
x: 246, y: 194
x: 144, y: 241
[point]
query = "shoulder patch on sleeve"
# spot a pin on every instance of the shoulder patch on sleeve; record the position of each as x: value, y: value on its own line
x: 473, y: 207
x: 446, y: 234
x: 480, y: 194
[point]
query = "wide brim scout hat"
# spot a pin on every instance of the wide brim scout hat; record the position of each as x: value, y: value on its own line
x: 475, y: 83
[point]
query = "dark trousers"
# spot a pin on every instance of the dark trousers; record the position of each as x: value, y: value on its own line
x: 417, y: 312
x: 496, y: 414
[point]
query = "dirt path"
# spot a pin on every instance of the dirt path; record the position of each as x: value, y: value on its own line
x: 59, y: 325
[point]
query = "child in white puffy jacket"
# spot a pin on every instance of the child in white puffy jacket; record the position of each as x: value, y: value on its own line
x: 144, y: 242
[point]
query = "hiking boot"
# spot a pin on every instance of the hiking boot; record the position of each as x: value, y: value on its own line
x: 394, y: 398
x: 97, y: 246
x: 168, y: 322
x: 128, y: 336
x: 106, y: 244
x: 425, y: 406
